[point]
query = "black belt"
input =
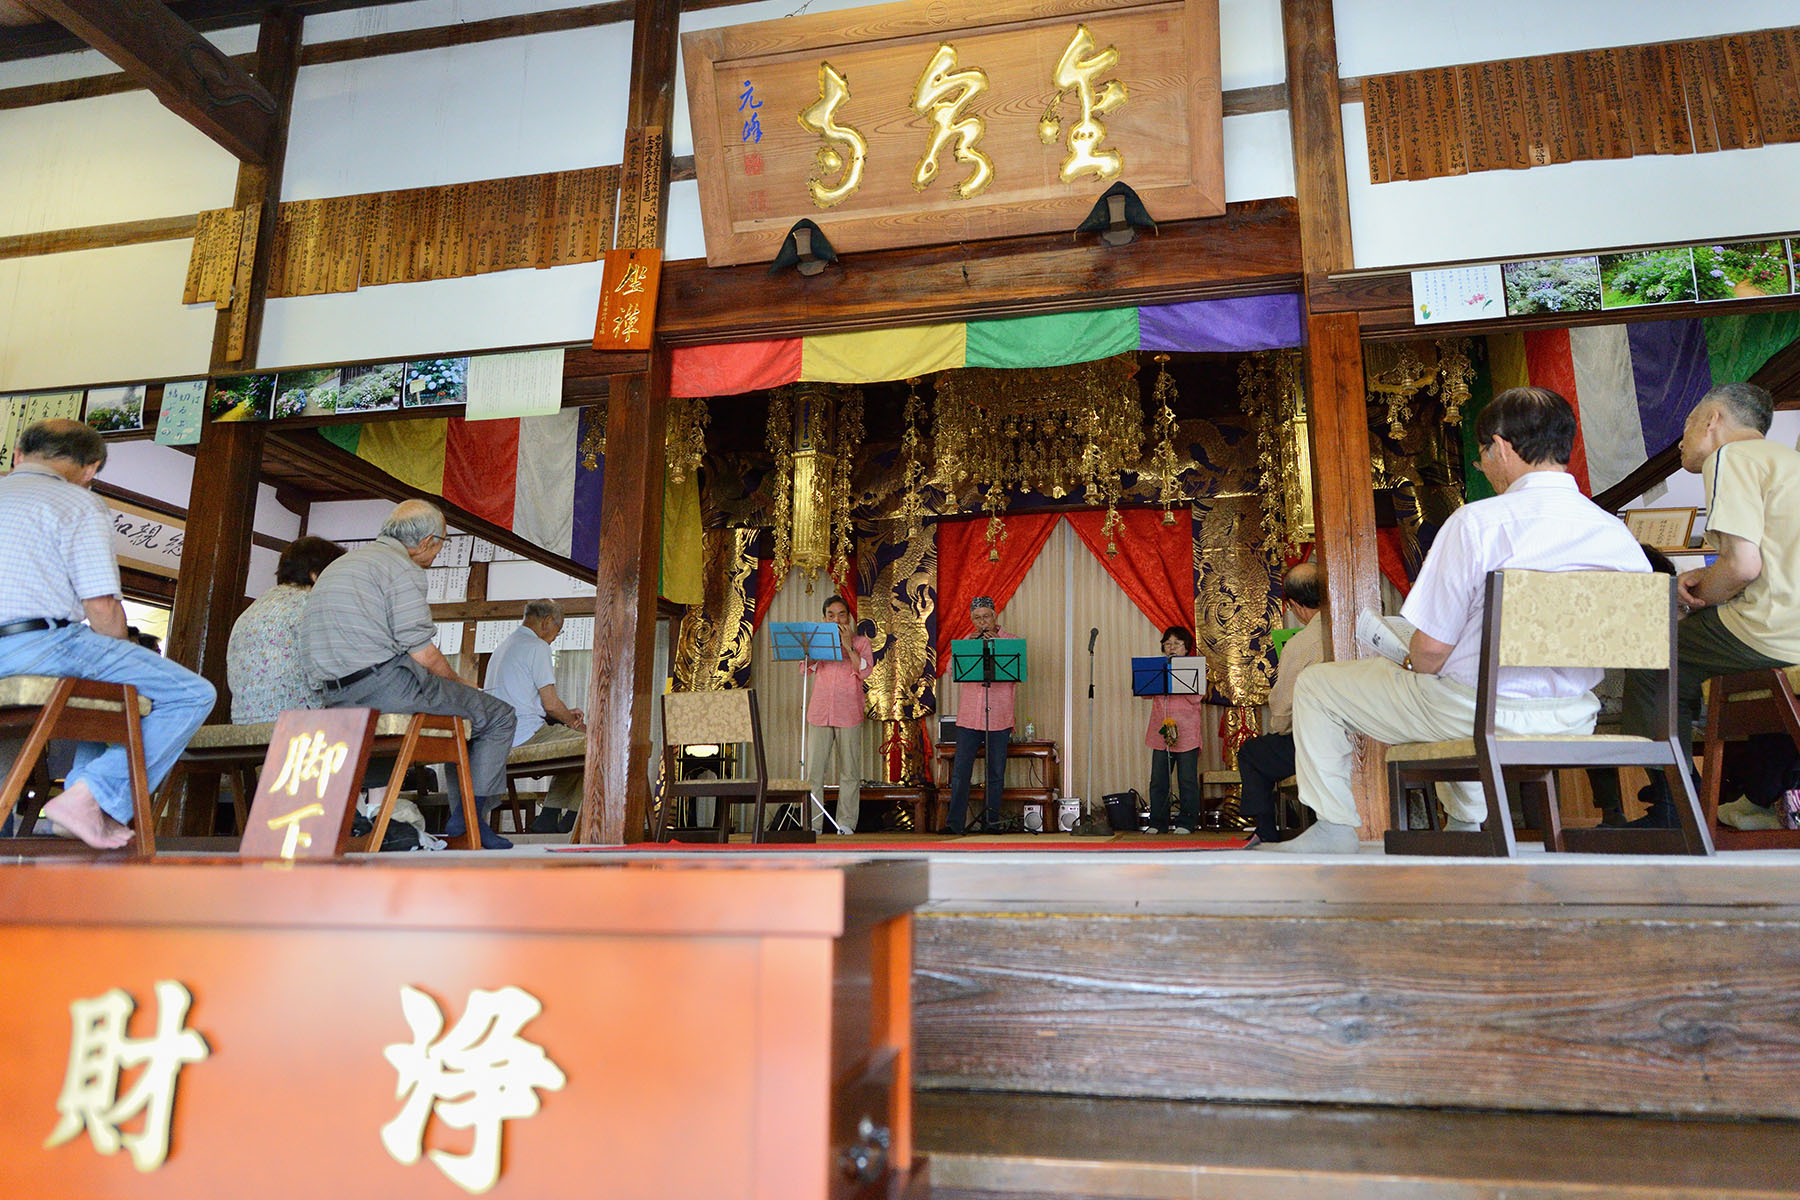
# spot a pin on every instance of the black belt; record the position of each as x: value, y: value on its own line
x: 32, y: 625
x: 338, y: 685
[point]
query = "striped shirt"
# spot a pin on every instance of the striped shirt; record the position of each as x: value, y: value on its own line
x: 55, y: 547
x: 367, y: 607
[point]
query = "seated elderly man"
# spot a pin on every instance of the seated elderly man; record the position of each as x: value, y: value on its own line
x: 366, y: 642
x: 1537, y: 521
x: 1745, y: 605
x: 522, y: 673
x: 1263, y: 762
x: 56, y: 547
x: 262, y: 659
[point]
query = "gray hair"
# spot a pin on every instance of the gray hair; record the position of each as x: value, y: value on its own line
x: 71, y: 441
x: 412, y: 521
x: 1748, y: 406
x: 543, y: 610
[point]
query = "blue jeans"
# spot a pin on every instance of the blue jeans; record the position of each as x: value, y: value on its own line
x: 180, y: 702
x: 968, y: 741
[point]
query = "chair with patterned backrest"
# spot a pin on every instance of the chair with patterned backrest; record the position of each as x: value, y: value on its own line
x: 43, y: 707
x: 716, y: 719
x: 1562, y: 619
x: 1740, y: 706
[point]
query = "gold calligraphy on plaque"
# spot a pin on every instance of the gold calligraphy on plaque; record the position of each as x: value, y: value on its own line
x: 1079, y: 71
x: 845, y: 150
x: 944, y: 95
x: 311, y: 758
x: 478, y: 1075
x: 296, y: 838
x: 99, y: 1055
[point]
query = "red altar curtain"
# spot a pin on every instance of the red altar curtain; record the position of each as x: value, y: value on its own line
x: 1392, y: 559
x: 1155, y: 562
x: 765, y: 592
x: 964, y: 571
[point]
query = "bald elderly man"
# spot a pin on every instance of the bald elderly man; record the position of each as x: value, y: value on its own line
x: 366, y: 642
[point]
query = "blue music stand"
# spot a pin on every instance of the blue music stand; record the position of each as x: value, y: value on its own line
x: 1156, y: 675
x: 793, y: 641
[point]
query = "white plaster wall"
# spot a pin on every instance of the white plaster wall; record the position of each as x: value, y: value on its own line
x: 1570, y: 206
x: 524, y: 581
x: 353, y: 520
x: 108, y: 159
x: 100, y: 316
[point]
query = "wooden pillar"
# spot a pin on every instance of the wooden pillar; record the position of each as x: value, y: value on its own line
x: 1343, y: 484
x: 215, y: 554
x: 616, y: 797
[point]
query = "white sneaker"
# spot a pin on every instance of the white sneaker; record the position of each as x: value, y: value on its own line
x: 1181, y: 831
x: 1744, y: 813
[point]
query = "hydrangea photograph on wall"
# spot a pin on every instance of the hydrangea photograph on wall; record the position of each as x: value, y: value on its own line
x: 312, y: 393
x: 1742, y: 270
x: 1552, y: 285
x: 114, y: 410
x: 1647, y: 277
x: 436, y: 381
x: 243, y: 398
x: 372, y: 388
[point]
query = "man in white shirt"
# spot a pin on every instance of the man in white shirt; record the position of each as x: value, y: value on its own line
x: 1537, y: 521
x: 522, y: 673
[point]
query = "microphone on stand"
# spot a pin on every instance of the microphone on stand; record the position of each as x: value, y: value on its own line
x: 1093, y: 636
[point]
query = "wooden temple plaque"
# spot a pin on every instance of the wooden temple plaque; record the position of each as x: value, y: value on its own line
x: 663, y: 1026
x: 1033, y: 109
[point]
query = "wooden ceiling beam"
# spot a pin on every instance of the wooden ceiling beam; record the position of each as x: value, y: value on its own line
x: 190, y: 75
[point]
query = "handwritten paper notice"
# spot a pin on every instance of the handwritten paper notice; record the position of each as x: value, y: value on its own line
x: 1458, y: 294
x: 515, y: 385
x: 178, y: 424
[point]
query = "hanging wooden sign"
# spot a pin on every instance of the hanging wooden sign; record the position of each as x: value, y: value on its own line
x: 925, y: 122
x: 627, y: 319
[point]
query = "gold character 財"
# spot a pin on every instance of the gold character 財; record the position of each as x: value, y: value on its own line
x: 1078, y: 70
x: 845, y: 150
x: 944, y: 95
x: 100, y: 1052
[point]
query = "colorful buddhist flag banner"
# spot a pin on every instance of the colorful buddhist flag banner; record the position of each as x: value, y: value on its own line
x: 1632, y: 386
x: 1234, y: 325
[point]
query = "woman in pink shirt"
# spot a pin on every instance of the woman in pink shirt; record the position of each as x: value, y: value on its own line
x: 835, y: 713
x: 1174, y: 741
x: 984, y: 720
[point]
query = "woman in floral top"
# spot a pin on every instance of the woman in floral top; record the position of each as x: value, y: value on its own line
x: 262, y: 659
x: 1174, y: 742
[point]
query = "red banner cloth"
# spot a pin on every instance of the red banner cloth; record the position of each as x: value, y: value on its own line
x: 481, y: 460
x: 1155, y: 562
x: 1393, y: 560
x: 733, y: 368
x: 964, y: 571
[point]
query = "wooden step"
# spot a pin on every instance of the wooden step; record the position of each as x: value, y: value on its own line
x: 996, y: 1146
x: 1649, y: 1009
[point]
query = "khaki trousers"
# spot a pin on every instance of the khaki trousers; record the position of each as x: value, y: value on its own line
x: 1374, y: 697
x: 565, y: 788
x: 822, y: 742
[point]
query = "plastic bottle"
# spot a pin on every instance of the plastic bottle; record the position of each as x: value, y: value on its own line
x: 1030, y: 731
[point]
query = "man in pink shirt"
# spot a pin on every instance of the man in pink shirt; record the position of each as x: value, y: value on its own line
x: 835, y: 713
x: 984, y: 720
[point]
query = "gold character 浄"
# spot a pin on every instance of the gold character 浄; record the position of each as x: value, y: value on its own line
x: 944, y: 95
x: 1078, y: 70
x: 845, y: 151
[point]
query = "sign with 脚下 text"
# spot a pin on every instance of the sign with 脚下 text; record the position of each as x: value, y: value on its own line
x: 928, y: 122
x: 306, y: 794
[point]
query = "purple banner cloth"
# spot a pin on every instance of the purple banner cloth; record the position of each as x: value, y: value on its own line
x: 1236, y: 324
x: 585, y: 547
x: 1670, y: 368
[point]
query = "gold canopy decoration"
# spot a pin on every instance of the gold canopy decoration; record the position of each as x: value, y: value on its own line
x: 1271, y: 388
x: 814, y: 433
x: 1043, y: 429
x: 712, y: 646
x: 686, y: 437
x: 1395, y: 373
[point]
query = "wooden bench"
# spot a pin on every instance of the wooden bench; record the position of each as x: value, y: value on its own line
x: 45, y: 707
x: 553, y: 756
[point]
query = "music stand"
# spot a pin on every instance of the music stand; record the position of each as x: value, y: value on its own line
x: 1156, y: 675
x: 987, y: 660
x: 793, y: 641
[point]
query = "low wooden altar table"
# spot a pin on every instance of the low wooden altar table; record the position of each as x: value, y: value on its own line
x: 626, y: 1024
x: 1045, y: 789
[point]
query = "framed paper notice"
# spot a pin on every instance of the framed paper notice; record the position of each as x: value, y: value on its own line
x: 1665, y: 529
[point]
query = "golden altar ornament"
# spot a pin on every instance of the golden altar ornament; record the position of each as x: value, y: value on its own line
x: 813, y: 435
x: 1272, y: 390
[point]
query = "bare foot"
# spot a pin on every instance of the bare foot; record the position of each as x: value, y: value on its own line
x: 122, y: 832
x: 76, y: 811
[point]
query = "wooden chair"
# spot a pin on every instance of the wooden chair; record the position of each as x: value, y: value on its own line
x: 84, y: 710
x: 552, y: 756
x: 1557, y: 619
x: 711, y: 718
x: 1739, y: 706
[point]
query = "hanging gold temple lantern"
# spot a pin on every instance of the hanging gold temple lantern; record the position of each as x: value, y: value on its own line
x: 1272, y: 389
x: 813, y: 432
